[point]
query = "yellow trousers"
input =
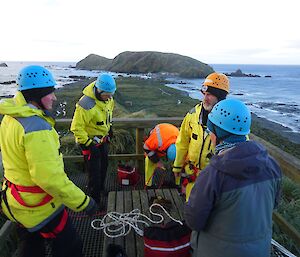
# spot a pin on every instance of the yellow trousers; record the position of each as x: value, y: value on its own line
x: 149, y: 170
x: 188, y: 190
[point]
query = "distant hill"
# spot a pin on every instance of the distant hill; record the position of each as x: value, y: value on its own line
x: 94, y: 62
x: 148, y: 61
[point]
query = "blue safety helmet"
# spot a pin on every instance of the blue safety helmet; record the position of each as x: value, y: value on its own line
x: 106, y: 83
x: 232, y: 116
x: 171, y: 152
x: 34, y: 76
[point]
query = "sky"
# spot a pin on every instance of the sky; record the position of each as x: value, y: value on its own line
x: 211, y: 31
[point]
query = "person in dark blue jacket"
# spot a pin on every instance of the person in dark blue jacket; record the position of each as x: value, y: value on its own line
x: 230, y: 207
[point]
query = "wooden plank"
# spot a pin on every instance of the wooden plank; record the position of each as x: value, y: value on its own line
x: 111, y: 205
x: 159, y: 193
x: 151, y: 193
x: 144, y: 202
x: 174, y: 212
x: 136, y: 201
x: 130, y: 238
x: 179, y: 202
x: 120, y: 208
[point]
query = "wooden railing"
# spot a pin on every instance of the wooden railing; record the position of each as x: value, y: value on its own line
x: 139, y: 124
x: 289, y: 164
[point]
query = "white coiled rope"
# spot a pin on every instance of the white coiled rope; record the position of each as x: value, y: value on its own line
x: 115, y: 224
x: 282, y: 249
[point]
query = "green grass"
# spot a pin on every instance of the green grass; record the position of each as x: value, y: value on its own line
x: 275, y: 139
x: 289, y: 208
x: 152, y: 97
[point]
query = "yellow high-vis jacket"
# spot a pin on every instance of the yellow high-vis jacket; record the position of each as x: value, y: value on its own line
x: 92, y: 117
x: 193, y: 145
x: 31, y: 158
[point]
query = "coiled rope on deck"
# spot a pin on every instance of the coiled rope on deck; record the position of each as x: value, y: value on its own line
x: 115, y: 224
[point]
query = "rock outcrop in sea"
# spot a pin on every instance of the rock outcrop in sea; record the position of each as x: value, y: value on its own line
x: 239, y: 73
x: 148, y: 62
x: 3, y: 64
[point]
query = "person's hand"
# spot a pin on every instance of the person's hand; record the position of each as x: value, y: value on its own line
x: 92, y: 208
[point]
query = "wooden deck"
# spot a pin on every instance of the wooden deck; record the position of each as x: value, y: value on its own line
x: 121, y: 199
x: 126, y: 201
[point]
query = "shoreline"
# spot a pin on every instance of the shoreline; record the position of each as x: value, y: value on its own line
x: 277, y: 128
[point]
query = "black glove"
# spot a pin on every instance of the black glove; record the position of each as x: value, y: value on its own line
x: 92, y: 208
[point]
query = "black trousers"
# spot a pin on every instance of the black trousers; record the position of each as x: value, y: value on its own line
x: 97, y: 169
x: 66, y: 244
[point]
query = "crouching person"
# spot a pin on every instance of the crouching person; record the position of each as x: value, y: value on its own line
x: 36, y: 187
x: 230, y: 207
x: 160, y: 142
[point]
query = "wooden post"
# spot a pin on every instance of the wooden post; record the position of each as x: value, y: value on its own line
x: 139, y: 137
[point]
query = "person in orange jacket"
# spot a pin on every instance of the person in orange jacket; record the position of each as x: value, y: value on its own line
x: 160, y: 143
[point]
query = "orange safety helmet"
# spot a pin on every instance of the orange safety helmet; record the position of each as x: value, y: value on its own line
x: 217, y: 84
x: 217, y: 80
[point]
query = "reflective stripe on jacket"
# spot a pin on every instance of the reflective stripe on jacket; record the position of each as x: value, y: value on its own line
x: 31, y: 157
x: 160, y: 138
x: 92, y: 117
x: 193, y: 145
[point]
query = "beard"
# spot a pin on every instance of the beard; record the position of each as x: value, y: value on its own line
x: 208, y: 106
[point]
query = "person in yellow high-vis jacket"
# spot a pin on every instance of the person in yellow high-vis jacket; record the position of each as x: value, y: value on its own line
x: 92, y: 128
x: 193, y: 145
x: 161, y: 142
x: 35, y: 187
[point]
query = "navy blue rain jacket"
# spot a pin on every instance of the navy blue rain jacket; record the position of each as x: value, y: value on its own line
x: 230, y: 207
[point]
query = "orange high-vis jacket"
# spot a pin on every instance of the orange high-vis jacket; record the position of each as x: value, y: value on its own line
x: 160, y: 138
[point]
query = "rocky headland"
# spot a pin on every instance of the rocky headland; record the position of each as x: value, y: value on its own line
x: 239, y: 73
x: 148, y: 62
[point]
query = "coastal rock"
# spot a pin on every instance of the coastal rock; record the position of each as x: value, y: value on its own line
x: 239, y: 73
x: 75, y: 77
x: 8, y: 82
x: 165, y: 64
x: 3, y: 64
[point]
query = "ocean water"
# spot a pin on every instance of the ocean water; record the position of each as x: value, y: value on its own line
x: 276, y: 98
x: 60, y: 70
